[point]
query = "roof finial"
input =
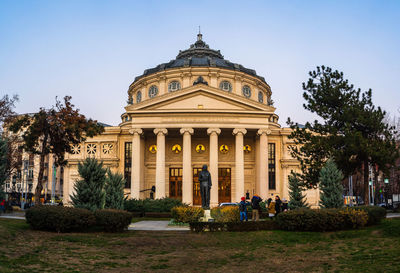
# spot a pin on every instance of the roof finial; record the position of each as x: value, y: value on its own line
x: 199, y: 36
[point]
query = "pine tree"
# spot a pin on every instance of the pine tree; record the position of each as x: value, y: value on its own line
x: 114, y: 189
x: 297, y: 198
x: 89, y: 192
x: 331, y: 186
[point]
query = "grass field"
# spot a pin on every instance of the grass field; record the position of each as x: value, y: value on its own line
x: 374, y: 249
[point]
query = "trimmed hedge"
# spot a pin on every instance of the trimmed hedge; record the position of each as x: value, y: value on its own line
x: 112, y: 220
x: 233, y: 226
x: 226, y: 214
x: 186, y: 214
x: 375, y: 214
x: 152, y: 205
x: 321, y: 219
x: 59, y: 219
x: 67, y: 219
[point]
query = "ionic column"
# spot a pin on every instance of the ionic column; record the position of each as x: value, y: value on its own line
x: 285, y: 190
x: 263, y: 166
x: 160, y: 162
x: 136, y: 157
x: 213, y: 133
x: 239, y: 163
x: 187, y: 174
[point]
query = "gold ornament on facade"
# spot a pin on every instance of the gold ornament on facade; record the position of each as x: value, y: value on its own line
x: 153, y: 149
x: 91, y: 148
x: 176, y: 148
x: 108, y: 148
x: 200, y: 148
x: 247, y: 148
x: 224, y: 148
x: 75, y: 149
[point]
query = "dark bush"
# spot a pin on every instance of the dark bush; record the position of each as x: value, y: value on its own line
x: 60, y: 219
x: 375, y: 214
x: 158, y: 214
x: 321, y: 219
x: 152, y: 205
x: 111, y: 220
x: 134, y: 205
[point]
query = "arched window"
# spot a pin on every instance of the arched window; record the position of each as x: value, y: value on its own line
x: 226, y: 86
x: 174, y: 86
x: 138, y: 96
x: 153, y: 91
x: 260, y: 97
x: 246, y: 91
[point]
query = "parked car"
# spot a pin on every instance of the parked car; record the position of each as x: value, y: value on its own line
x: 228, y: 204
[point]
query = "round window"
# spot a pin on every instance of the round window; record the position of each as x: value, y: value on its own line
x: 246, y: 91
x: 260, y: 97
x: 174, y: 86
x: 138, y: 96
x: 153, y: 91
x: 226, y: 86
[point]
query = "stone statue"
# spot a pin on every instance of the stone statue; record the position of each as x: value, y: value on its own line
x: 205, y: 186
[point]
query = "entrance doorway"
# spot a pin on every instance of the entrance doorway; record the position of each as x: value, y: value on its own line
x: 196, y: 187
x: 175, y: 183
x: 224, y: 185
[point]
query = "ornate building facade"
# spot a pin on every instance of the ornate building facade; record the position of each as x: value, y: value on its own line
x: 196, y: 109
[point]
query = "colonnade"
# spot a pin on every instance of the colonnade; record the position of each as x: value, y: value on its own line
x: 187, y: 172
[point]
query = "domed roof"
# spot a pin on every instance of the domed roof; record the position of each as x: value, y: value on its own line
x: 199, y: 54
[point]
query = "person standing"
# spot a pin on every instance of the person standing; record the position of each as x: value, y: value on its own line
x: 243, y: 209
x: 271, y: 208
x: 205, y: 186
x: 255, y: 205
x: 278, y: 205
x: 284, y: 205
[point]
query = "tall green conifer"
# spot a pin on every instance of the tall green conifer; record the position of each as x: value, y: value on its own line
x: 331, y: 186
x: 297, y: 198
x: 89, y: 192
x: 114, y: 191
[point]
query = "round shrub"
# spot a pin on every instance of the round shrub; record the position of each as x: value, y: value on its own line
x: 226, y: 214
x: 112, y: 220
x: 186, y: 214
x: 321, y: 219
x: 152, y: 205
x: 59, y: 219
x: 375, y: 214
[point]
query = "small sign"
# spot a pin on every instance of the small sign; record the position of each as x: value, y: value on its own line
x: 386, y: 181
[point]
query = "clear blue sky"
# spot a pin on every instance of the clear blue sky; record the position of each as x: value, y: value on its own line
x: 92, y: 50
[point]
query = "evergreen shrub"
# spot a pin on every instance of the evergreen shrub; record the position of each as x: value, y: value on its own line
x: 152, y: 205
x: 226, y: 214
x: 321, y: 219
x: 186, y: 214
x: 375, y: 214
x: 111, y: 220
x: 59, y: 219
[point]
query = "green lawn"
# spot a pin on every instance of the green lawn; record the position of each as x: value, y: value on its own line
x: 374, y: 249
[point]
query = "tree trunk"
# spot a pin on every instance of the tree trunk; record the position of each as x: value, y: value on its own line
x: 366, y: 183
x: 39, y: 186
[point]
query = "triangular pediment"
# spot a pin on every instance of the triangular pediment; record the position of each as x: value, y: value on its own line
x: 200, y: 97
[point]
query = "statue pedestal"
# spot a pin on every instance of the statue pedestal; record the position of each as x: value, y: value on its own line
x: 207, y: 216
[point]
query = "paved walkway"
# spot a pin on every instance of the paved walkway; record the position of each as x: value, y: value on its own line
x: 392, y: 215
x: 155, y: 225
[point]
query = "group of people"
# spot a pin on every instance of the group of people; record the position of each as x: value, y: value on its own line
x: 274, y: 207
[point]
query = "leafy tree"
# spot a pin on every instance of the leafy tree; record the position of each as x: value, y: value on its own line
x: 114, y: 190
x: 331, y: 186
x: 3, y: 165
x: 297, y: 198
x: 89, y: 192
x: 8, y: 151
x: 351, y: 130
x: 53, y: 131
